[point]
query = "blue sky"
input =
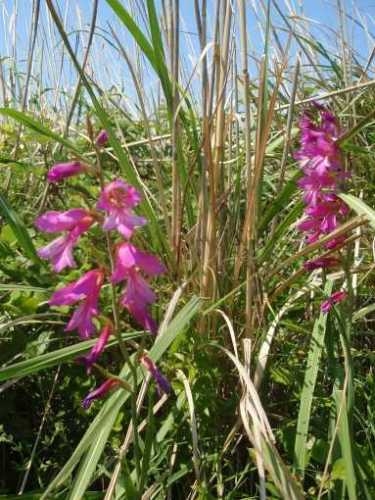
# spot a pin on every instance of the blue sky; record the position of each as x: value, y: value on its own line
x: 108, y: 69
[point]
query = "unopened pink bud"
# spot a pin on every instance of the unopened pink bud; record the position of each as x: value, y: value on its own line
x: 102, y: 138
x: 61, y: 171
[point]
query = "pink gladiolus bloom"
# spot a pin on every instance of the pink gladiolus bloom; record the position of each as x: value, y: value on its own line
x: 162, y: 384
x: 335, y: 298
x: 320, y: 159
x: 86, y: 289
x: 321, y: 263
x: 118, y: 199
x: 99, y: 392
x: 61, y: 171
x: 102, y: 138
x: 129, y: 257
x: 89, y: 359
x: 60, y: 251
x: 138, y: 296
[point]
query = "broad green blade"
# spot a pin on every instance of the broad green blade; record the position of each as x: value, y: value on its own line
x: 19, y: 229
x: 345, y: 442
x: 34, y: 365
x: 307, y: 394
x: 360, y: 207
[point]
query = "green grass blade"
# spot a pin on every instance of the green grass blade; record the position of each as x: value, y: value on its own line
x: 158, y: 237
x: 44, y: 361
x: 154, y: 54
x: 36, y: 126
x: 283, y: 228
x: 157, y: 41
x: 345, y: 442
x: 19, y: 230
x: 360, y: 207
x: 307, y: 394
x: 279, y: 203
x: 135, y: 31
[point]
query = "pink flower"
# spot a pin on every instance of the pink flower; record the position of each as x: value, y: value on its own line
x: 99, y: 392
x: 335, y: 298
x: 61, y: 171
x: 118, y: 199
x: 321, y: 263
x: 89, y: 359
x: 163, y: 386
x: 86, y: 289
x: 137, y: 297
x: 102, y: 138
x: 129, y: 257
x: 60, y: 251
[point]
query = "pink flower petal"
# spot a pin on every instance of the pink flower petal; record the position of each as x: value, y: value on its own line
x: 99, y: 392
x: 89, y: 359
x: 102, y: 138
x: 61, y: 171
x: 162, y: 383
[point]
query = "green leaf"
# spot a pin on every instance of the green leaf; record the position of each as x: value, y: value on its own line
x: 280, y: 202
x: 360, y: 207
x: 34, y: 365
x: 345, y: 442
x: 307, y: 394
x: 19, y: 229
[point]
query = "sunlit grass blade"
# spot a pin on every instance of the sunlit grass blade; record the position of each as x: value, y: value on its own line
x: 158, y: 237
x: 307, y: 394
x: 360, y: 207
x: 345, y: 440
x: 50, y: 359
x: 36, y: 126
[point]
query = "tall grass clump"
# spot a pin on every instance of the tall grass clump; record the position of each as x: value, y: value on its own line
x: 200, y: 325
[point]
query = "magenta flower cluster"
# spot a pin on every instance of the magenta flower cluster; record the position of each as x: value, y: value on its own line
x: 132, y: 266
x: 320, y: 159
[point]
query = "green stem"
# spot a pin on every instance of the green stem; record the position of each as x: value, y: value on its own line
x: 116, y: 321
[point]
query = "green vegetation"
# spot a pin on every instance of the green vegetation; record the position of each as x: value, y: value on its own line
x: 271, y: 398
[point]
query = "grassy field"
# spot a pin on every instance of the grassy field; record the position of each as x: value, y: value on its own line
x: 223, y: 247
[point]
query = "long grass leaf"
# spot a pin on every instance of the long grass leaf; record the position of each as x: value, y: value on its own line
x: 36, y: 126
x: 307, y: 394
x: 44, y: 361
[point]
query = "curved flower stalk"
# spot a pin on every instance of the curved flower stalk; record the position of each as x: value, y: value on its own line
x: 320, y: 159
x: 60, y: 251
x: 85, y: 290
